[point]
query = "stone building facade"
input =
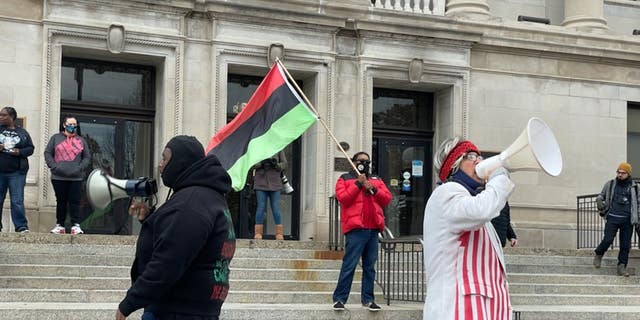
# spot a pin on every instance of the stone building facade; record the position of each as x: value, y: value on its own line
x: 391, y: 77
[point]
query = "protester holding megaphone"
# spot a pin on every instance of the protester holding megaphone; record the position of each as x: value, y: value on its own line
x: 461, y: 247
x: 181, y: 266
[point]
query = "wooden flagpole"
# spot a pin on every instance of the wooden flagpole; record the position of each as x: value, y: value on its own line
x: 306, y: 100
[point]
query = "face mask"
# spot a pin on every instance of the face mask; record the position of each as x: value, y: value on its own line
x: 363, y: 167
x: 70, y: 129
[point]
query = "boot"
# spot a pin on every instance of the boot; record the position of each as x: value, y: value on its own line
x: 258, y: 231
x: 279, y: 232
x: 597, y: 261
x: 622, y: 270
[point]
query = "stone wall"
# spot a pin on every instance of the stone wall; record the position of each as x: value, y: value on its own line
x: 488, y: 78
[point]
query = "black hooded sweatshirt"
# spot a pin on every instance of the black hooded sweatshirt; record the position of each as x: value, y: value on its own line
x: 185, y: 247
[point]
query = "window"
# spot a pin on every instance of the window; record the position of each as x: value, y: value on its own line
x: 633, y: 134
x: 402, y: 110
x: 104, y: 83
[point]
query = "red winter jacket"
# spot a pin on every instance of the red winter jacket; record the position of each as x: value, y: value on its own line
x: 361, y: 209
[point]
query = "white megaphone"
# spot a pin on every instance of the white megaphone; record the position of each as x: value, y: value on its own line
x: 102, y: 188
x: 536, y: 148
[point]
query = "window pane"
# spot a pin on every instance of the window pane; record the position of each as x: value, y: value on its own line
x: 69, y: 84
x: 112, y: 87
x: 402, y: 109
x: 633, y: 135
x: 240, y: 88
x: 397, y: 112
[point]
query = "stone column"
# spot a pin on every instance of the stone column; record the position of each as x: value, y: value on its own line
x: 588, y: 14
x: 470, y: 8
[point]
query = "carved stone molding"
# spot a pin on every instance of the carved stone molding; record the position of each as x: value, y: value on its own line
x: 116, y: 38
x: 113, y: 40
x: 276, y: 50
x: 415, y: 70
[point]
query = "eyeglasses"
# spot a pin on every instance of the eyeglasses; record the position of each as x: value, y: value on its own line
x: 363, y: 161
x: 473, y: 157
x: 621, y: 172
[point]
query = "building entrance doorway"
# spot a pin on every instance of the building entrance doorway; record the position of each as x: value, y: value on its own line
x: 242, y: 204
x: 402, y: 153
x: 113, y: 103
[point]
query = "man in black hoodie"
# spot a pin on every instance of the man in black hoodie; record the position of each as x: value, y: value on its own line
x: 181, y: 269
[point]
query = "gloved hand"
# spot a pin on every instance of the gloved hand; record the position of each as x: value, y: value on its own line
x: 498, y: 172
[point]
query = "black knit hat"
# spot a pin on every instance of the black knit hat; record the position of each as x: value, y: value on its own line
x: 185, y: 151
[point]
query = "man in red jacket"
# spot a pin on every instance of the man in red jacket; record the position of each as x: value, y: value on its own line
x: 361, y: 198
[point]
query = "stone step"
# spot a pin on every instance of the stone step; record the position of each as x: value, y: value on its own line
x: 570, y: 269
x: 575, y: 299
x: 67, y: 260
x: 235, y: 296
x: 77, y: 270
x: 88, y: 283
x: 294, y: 297
x: 60, y: 311
x: 288, y: 285
x: 39, y: 270
x: 557, y: 260
x: 354, y: 311
x: 533, y: 278
x: 62, y: 295
x: 230, y: 311
x: 588, y: 289
x: 577, y: 312
x: 279, y: 263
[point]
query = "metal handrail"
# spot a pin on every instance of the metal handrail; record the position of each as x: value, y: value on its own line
x: 590, y: 226
x: 400, y: 270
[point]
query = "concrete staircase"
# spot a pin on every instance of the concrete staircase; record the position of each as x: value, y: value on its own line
x: 45, y: 276
x: 563, y: 284
x: 67, y: 277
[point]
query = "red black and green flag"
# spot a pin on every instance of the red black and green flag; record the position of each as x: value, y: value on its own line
x: 273, y: 118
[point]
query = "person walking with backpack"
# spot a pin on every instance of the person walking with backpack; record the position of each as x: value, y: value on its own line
x: 618, y: 204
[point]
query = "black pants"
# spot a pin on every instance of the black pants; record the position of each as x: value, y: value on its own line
x: 626, y: 232
x: 68, y: 194
x: 150, y: 316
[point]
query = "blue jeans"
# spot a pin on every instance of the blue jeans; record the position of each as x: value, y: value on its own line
x: 359, y: 243
x: 14, y: 182
x: 274, y: 200
x: 610, y: 230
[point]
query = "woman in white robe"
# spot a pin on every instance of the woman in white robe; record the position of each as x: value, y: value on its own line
x: 463, y: 258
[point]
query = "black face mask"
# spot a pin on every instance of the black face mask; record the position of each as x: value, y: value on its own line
x: 363, y: 166
x: 185, y: 150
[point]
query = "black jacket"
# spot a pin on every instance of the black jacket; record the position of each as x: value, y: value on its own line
x: 10, y: 163
x: 502, y: 224
x: 185, y: 247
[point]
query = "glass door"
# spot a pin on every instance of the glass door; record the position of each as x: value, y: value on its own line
x: 242, y: 204
x: 122, y: 150
x: 404, y: 163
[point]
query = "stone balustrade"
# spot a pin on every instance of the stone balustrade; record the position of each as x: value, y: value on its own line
x: 435, y: 7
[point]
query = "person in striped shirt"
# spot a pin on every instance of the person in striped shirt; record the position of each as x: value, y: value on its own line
x: 463, y: 258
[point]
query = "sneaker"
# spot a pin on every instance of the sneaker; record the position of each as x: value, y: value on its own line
x: 597, y: 261
x: 622, y: 270
x: 58, y: 229
x: 372, y: 306
x: 25, y: 230
x: 338, y: 306
x: 76, y: 229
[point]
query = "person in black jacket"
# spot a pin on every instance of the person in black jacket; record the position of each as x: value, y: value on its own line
x: 15, y: 147
x: 181, y: 269
x: 502, y: 224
